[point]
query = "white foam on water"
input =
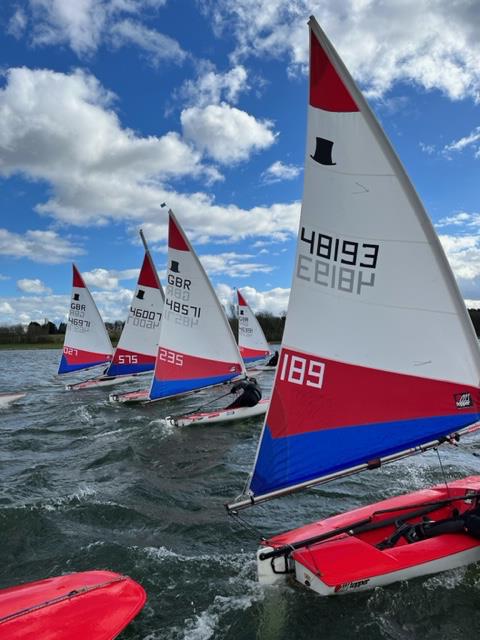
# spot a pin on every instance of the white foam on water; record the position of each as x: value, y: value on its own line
x: 54, y: 504
x: 83, y: 414
x: 446, y: 580
x: 205, y: 625
x: 242, y: 563
x: 114, y: 432
x: 162, y: 428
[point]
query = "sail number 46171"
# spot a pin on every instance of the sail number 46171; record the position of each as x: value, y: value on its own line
x: 300, y: 370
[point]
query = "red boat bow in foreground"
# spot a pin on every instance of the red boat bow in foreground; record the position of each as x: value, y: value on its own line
x: 93, y: 605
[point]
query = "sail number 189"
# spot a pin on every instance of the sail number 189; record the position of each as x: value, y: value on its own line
x: 301, y: 370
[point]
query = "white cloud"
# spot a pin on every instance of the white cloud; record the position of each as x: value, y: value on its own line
x: 460, y: 219
x: 158, y: 47
x: 40, y: 246
x: 212, y: 88
x: 429, y: 149
x: 108, y: 279
x: 280, y: 171
x: 100, y: 278
x: 226, y: 133
x: 84, y: 25
x: 34, y: 308
x: 463, y: 253
x: 6, y: 309
x: 17, y: 23
x: 60, y: 128
x: 381, y: 42
x: 112, y: 305
x: 204, y: 221
x: 233, y: 265
x: 472, y: 304
x: 79, y: 24
x: 34, y: 285
x: 472, y: 140
x: 274, y: 301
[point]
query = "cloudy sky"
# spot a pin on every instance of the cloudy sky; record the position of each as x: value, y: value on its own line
x: 108, y: 108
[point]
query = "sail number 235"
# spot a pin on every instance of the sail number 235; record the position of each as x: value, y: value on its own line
x: 300, y: 370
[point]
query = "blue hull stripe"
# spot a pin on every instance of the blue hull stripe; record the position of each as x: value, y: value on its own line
x: 164, y: 388
x: 284, y: 462
x: 64, y: 367
x: 126, y: 370
x: 254, y: 358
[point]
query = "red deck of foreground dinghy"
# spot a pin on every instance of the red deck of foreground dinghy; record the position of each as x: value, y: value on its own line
x: 93, y: 605
x: 347, y: 558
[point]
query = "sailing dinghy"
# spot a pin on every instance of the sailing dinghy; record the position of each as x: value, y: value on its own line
x: 219, y: 415
x: 251, y: 339
x: 347, y: 397
x: 8, y: 398
x: 86, y: 343
x: 93, y: 605
x: 137, y: 347
x: 196, y: 347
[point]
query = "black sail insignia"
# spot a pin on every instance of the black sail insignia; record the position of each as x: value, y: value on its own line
x: 323, y: 152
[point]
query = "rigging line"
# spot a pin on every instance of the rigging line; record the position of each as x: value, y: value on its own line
x: 202, y: 406
x: 443, y: 472
x: 246, y: 525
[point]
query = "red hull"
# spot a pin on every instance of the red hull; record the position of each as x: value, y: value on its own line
x: 346, y: 560
x: 93, y: 605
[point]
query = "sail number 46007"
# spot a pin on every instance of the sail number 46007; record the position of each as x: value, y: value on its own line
x: 301, y: 370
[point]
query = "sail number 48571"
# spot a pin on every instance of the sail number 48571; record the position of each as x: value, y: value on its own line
x: 300, y: 370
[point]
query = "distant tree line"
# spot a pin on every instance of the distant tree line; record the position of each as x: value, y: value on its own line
x: 46, y: 333
x: 49, y: 333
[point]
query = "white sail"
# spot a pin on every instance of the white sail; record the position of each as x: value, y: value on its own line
x: 136, y: 350
x: 379, y: 354
x: 251, y: 339
x: 196, y: 347
x: 87, y: 343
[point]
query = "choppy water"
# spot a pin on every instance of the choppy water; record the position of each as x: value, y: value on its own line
x: 86, y: 485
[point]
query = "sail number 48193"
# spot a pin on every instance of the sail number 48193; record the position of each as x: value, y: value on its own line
x: 300, y: 370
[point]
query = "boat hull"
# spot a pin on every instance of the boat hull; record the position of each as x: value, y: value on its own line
x: 7, y: 399
x: 143, y: 396
x: 222, y: 415
x: 92, y: 604
x: 104, y: 381
x: 349, y: 562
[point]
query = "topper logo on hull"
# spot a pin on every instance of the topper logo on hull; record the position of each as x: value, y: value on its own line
x: 463, y: 400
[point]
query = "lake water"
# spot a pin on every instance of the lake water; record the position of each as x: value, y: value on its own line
x: 88, y: 485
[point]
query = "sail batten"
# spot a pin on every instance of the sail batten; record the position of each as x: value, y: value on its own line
x: 379, y: 355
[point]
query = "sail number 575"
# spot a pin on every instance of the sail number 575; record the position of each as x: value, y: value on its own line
x: 301, y: 370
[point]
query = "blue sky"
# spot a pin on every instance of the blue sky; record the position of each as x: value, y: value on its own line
x: 109, y: 108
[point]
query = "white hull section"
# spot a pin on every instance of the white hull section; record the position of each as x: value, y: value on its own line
x: 105, y: 381
x: 7, y: 399
x: 306, y: 578
x: 261, y: 368
x: 222, y: 415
